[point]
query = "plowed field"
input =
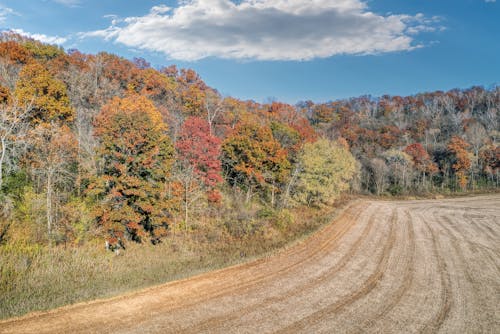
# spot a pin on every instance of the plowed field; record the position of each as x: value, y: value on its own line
x: 385, y: 267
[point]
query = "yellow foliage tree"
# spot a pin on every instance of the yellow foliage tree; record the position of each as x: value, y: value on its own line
x: 46, y: 95
x: 325, y: 169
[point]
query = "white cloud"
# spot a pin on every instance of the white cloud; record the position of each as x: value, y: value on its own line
x: 4, y: 12
x: 490, y: 0
x: 41, y: 37
x: 267, y: 29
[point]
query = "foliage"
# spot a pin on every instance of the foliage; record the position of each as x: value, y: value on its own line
x: 198, y: 148
x: 252, y: 157
x: 136, y: 157
x: 86, y: 153
x: 47, y: 96
x: 462, y: 163
x: 43, y: 51
x: 326, y: 168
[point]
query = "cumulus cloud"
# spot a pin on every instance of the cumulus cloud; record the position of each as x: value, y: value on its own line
x: 41, y: 37
x: 267, y: 29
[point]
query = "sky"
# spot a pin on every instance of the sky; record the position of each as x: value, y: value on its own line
x: 286, y: 50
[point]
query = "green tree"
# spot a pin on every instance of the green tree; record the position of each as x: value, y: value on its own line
x: 136, y: 156
x: 325, y: 169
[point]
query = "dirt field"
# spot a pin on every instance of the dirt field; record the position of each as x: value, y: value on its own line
x: 384, y: 267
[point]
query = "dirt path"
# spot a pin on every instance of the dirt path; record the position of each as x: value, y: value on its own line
x: 383, y: 267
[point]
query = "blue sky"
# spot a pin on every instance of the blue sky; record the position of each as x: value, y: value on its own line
x: 290, y: 50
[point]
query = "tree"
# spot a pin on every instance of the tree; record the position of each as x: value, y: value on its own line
x: 421, y: 160
x: 379, y: 174
x: 213, y: 106
x: 201, y: 150
x: 252, y: 158
x: 400, y: 165
x: 462, y: 163
x: 46, y: 96
x: 325, y: 169
x: 136, y: 157
x: 288, y: 137
x: 199, y: 161
x: 52, y: 154
x: 490, y: 160
x: 13, y: 128
x: 476, y: 135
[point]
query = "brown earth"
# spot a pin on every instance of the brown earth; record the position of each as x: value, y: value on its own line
x: 380, y: 267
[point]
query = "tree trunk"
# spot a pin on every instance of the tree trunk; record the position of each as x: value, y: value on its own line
x: 272, y: 195
x: 49, y: 204
x: 249, y: 194
x: 289, y: 186
x: 186, y: 205
x: 2, y: 158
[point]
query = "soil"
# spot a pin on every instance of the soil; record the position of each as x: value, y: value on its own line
x: 427, y: 266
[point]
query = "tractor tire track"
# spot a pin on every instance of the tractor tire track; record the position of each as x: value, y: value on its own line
x: 401, y: 266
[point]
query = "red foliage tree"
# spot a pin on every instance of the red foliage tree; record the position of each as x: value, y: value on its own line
x: 201, y: 150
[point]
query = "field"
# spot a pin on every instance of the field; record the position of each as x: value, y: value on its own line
x: 408, y: 266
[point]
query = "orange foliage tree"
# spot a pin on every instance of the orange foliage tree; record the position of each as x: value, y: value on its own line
x: 136, y: 156
x: 252, y: 157
x: 421, y: 159
x: 458, y: 147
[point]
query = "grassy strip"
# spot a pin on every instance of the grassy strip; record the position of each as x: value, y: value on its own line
x: 40, y: 278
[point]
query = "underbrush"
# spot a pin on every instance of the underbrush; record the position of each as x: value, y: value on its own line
x: 37, y: 277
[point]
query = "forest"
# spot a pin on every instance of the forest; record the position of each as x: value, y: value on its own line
x: 97, y: 146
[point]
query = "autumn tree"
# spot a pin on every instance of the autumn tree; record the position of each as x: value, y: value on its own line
x: 490, y: 161
x: 288, y: 137
x: 193, y: 93
x: 462, y: 163
x: 53, y: 158
x: 213, y: 108
x: 199, y: 161
x: 136, y: 157
x: 50, y: 141
x: 421, y: 159
x: 325, y: 169
x: 46, y: 95
x: 253, y: 158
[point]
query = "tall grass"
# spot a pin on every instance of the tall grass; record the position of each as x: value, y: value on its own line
x: 40, y: 278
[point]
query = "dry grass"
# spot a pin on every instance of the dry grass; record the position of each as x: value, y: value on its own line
x: 40, y: 278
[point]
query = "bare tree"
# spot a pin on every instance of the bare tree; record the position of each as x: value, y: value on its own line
x: 214, y: 106
x: 13, y: 127
x: 192, y: 189
x: 379, y: 173
x: 476, y: 136
x: 54, y: 151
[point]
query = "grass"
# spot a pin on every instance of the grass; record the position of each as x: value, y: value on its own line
x: 35, y: 278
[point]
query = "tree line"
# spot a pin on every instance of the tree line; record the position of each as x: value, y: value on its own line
x: 439, y: 141
x: 100, y: 146
x: 97, y: 146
